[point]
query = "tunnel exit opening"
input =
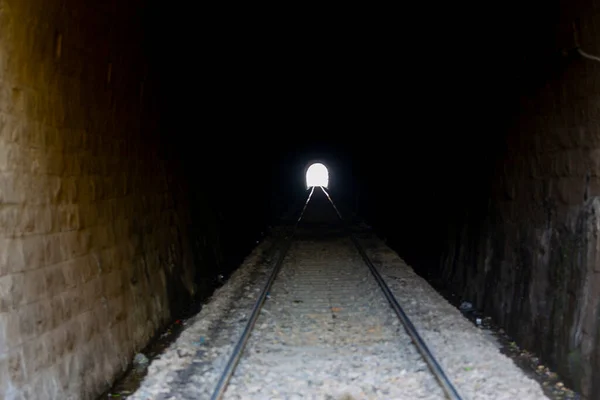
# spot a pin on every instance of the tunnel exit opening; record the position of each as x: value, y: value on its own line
x: 317, y: 175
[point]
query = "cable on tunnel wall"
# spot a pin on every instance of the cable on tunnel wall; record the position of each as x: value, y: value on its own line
x: 579, y: 50
x: 586, y: 55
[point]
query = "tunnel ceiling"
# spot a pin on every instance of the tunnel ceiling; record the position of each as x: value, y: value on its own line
x: 418, y: 101
x: 377, y: 88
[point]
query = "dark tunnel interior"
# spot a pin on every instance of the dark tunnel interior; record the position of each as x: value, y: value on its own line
x: 429, y: 117
x: 413, y: 118
x: 465, y: 134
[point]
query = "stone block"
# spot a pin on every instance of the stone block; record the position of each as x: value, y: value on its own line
x: 54, y: 163
x: 11, y: 291
x: 4, y: 256
x: 89, y: 268
x: 66, y: 370
x: 71, y: 271
x: 55, y: 343
x: 116, y: 310
x: 53, y: 250
x: 9, y: 219
x: 26, y: 220
x: 5, y: 346
x: 9, y: 324
x: 53, y: 189
x: 122, y: 334
x: 5, y: 381
x: 35, y: 356
x: 112, y: 284
x: 68, y: 217
x: 102, y: 236
x: 42, y: 219
x: 68, y: 190
x: 33, y: 251
x: 10, y: 124
x: 72, y: 336
x: 15, y: 367
x: 54, y: 279
x: 31, y: 189
x: 42, y: 385
x: 88, y: 322
x: 34, y: 319
x: 73, y: 302
x: 92, y: 292
x: 58, y: 312
x: 33, y: 285
x: 5, y: 157
x: 76, y: 243
x: 10, y: 192
x: 570, y: 191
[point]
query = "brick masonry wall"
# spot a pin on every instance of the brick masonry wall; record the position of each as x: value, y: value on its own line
x: 530, y: 258
x: 93, y: 244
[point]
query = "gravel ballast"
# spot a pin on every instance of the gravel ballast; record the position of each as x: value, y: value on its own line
x: 326, y: 331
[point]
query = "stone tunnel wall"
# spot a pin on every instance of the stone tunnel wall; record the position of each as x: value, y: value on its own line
x: 530, y: 255
x: 93, y: 234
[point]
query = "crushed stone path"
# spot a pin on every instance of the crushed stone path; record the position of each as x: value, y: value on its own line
x: 326, y: 331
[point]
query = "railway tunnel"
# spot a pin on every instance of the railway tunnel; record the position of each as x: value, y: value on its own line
x: 147, y: 148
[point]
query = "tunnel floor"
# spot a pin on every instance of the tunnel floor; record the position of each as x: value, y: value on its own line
x: 326, y: 331
x: 134, y: 384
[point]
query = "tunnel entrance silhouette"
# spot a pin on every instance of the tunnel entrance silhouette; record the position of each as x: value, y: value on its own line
x: 317, y: 175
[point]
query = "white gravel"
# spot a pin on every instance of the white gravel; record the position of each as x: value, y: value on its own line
x: 190, y: 366
x: 467, y: 354
x: 327, y: 332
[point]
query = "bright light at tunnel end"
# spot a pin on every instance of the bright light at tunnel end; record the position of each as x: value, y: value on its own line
x: 317, y: 175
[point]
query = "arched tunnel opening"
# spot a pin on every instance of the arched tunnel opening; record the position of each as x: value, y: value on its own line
x: 317, y: 174
x: 146, y: 151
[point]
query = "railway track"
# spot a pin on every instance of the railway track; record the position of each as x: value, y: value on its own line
x: 322, y: 313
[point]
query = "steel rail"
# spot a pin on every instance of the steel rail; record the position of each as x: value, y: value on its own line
x: 241, y: 344
x: 432, y: 363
